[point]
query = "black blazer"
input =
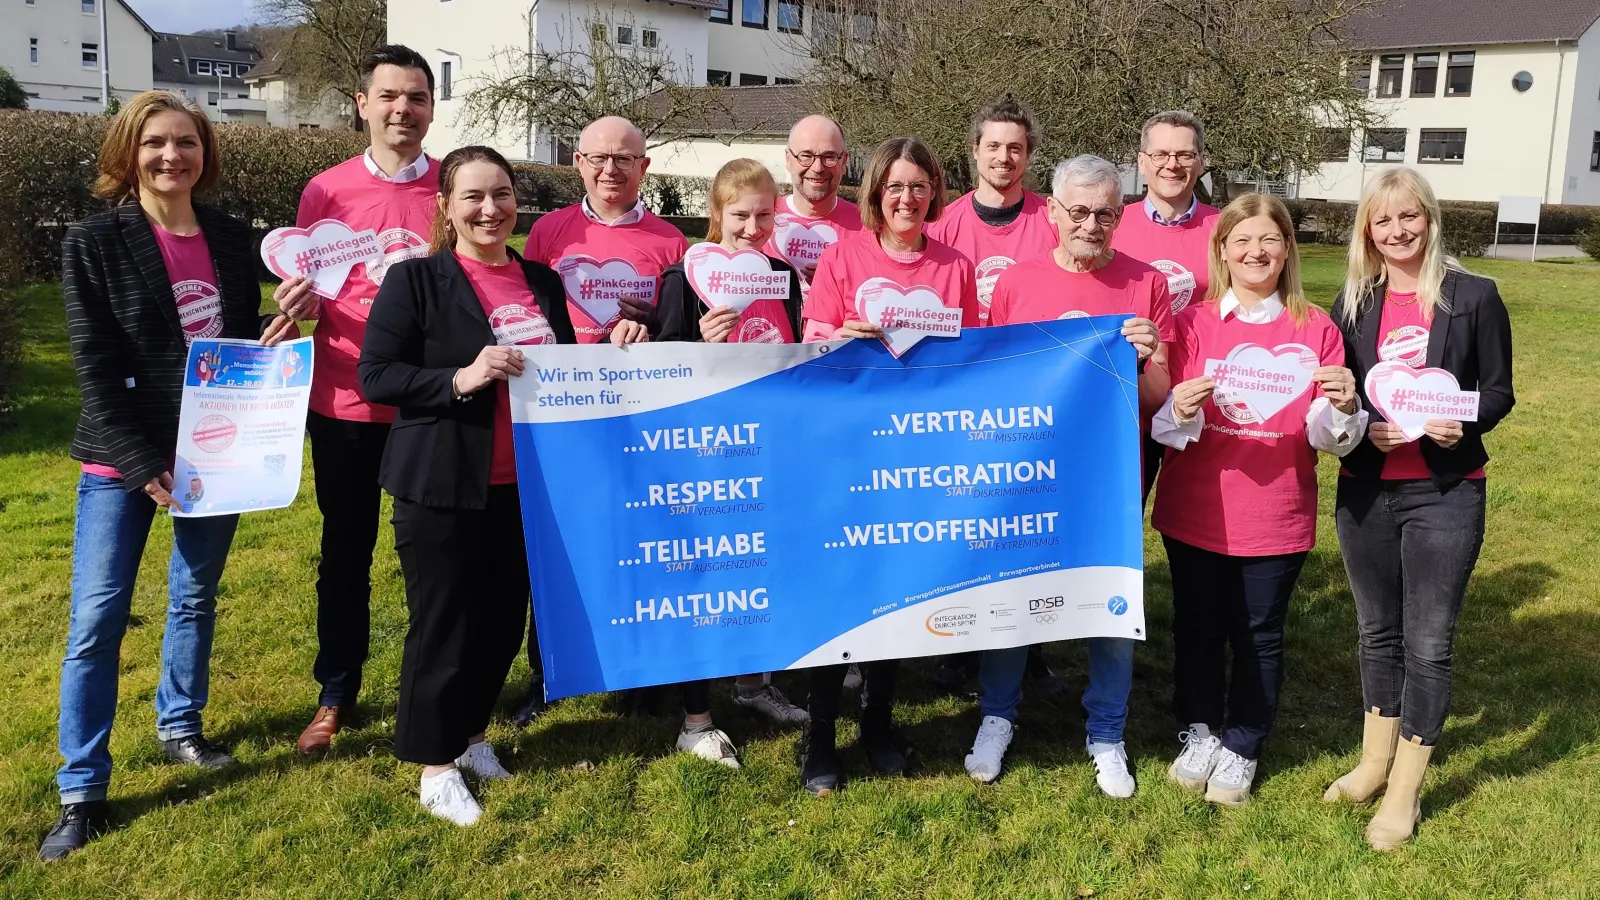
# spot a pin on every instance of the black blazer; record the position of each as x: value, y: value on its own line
x: 127, y: 344
x: 425, y: 324
x: 680, y: 308
x: 1471, y: 340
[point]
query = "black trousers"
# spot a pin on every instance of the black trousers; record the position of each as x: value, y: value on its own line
x: 466, y: 574
x: 1409, y: 551
x: 345, y: 457
x: 878, y: 682
x: 1219, y: 602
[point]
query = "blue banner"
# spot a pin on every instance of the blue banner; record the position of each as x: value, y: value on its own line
x: 697, y: 511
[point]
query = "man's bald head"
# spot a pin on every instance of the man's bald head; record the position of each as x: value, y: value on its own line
x: 613, y: 186
x: 815, y: 130
x: 816, y: 140
x: 616, y: 134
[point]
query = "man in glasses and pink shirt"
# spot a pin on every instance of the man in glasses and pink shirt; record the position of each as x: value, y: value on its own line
x: 814, y: 217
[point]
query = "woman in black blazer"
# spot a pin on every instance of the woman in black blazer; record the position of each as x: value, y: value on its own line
x: 441, y: 345
x: 141, y: 281
x: 1410, y: 514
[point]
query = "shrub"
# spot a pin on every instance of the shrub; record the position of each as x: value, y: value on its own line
x: 1589, y: 241
x: 12, y: 309
x: 676, y: 195
x: 547, y: 188
x: 1467, y: 231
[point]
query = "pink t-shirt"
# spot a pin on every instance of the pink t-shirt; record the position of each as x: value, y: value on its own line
x: 194, y: 289
x: 1245, y: 488
x: 851, y: 264
x: 1181, y: 252
x: 763, y: 322
x: 599, y: 262
x: 1403, y: 337
x: 401, y: 215
x: 800, y: 240
x: 1038, y: 289
x: 515, y: 318
x: 993, y: 250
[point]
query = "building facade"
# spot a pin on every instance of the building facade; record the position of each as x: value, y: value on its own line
x: 210, y: 69
x: 273, y: 87
x: 1486, y: 99
x: 63, y: 51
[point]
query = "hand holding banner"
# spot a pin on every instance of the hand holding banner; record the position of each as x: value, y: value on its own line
x: 1409, y: 397
x: 326, y: 252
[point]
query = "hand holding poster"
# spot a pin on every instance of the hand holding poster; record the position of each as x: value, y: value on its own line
x: 241, y: 429
x: 1409, y: 397
x: 781, y: 506
x: 907, y: 315
x: 734, y: 279
x: 1258, y: 381
x: 325, y: 252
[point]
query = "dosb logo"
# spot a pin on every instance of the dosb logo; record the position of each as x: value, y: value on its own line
x: 1046, y: 604
x: 1117, y: 605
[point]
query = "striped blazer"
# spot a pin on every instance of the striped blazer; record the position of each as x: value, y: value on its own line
x: 127, y: 344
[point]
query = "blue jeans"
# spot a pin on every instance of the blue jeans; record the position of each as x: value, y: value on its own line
x: 108, y: 541
x: 1105, y: 698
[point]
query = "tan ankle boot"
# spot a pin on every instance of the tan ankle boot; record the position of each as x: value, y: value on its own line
x: 1362, y: 783
x: 1402, y: 801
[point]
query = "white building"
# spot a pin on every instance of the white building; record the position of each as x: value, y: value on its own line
x: 717, y: 42
x: 60, y: 50
x: 210, y: 69
x: 1484, y: 97
x: 273, y: 86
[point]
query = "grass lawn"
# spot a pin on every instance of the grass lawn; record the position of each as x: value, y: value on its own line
x: 599, y: 807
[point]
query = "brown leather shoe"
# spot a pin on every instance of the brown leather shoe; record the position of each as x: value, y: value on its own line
x: 319, y: 734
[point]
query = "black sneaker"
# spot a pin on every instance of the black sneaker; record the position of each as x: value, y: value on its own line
x: 197, y: 751
x: 953, y: 672
x: 886, y: 750
x: 644, y: 702
x: 819, y: 758
x: 530, y: 706
x: 1045, y: 681
x: 79, y: 823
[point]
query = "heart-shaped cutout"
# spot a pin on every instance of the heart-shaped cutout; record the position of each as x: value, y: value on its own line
x: 800, y: 241
x: 733, y: 278
x: 598, y: 286
x: 1409, y: 397
x: 325, y: 252
x: 906, y: 314
x: 1255, y: 383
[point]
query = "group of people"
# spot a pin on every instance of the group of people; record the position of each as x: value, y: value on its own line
x: 410, y: 396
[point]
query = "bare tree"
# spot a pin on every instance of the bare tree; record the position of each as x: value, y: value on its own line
x: 589, y: 75
x: 325, y: 43
x: 1268, y: 77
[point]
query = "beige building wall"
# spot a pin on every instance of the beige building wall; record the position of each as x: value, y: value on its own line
x: 59, y: 80
x: 279, y: 110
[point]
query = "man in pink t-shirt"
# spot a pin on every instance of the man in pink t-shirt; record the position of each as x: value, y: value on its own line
x: 998, y: 223
x: 812, y: 218
x: 608, y: 249
x: 390, y: 190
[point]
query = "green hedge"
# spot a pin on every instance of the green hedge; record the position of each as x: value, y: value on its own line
x: 1468, y: 228
x: 1589, y: 241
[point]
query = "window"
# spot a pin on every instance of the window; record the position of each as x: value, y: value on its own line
x: 91, y: 56
x: 785, y: 81
x: 305, y: 127
x: 1385, y: 145
x: 1442, y: 146
x: 1594, y: 154
x: 598, y: 32
x: 446, y: 70
x: 649, y: 39
x: 1425, y: 75
x: 723, y: 12
x: 202, y: 67
x: 719, y: 77
x: 223, y: 69
x: 1458, y: 78
x: 748, y: 80
x: 240, y: 69
x: 1333, y: 145
x: 1361, y: 73
x: 88, y: 7
x: 1522, y: 82
x: 33, y: 50
x: 625, y: 34
x: 753, y: 13
x: 791, y: 16
x: 211, y: 98
x: 27, y: 2
x: 1391, y: 71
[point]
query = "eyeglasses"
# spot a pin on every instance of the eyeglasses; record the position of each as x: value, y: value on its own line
x: 920, y: 190
x: 623, y: 161
x: 1183, y: 157
x: 1105, y: 216
x: 805, y: 158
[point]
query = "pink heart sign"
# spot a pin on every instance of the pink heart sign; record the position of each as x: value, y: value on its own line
x: 734, y: 278
x: 1409, y: 397
x: 325, y: 252
x: 906, y: 314
x: 598, y: 286
x: 1254, y: 383
x: 801, y: 241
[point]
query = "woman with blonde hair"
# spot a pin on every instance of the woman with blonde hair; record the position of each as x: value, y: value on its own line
x: 142, y: 280
x: 1410, y: 514
x: 1236, y: 502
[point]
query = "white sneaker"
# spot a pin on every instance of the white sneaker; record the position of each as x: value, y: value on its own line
x: 1193, y: 766
x: 989, y: 749
x: 1230, y: 782
x: 481, y: 762
x: 447, y: 797
x: 852, y: 678
x: 710, y: 744
x: 1111, y: 769
x: 770, y: 702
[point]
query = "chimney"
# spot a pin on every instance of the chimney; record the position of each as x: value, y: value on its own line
x: 232, y: 40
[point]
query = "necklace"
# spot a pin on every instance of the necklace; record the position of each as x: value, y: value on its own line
x: 1388, y: 297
